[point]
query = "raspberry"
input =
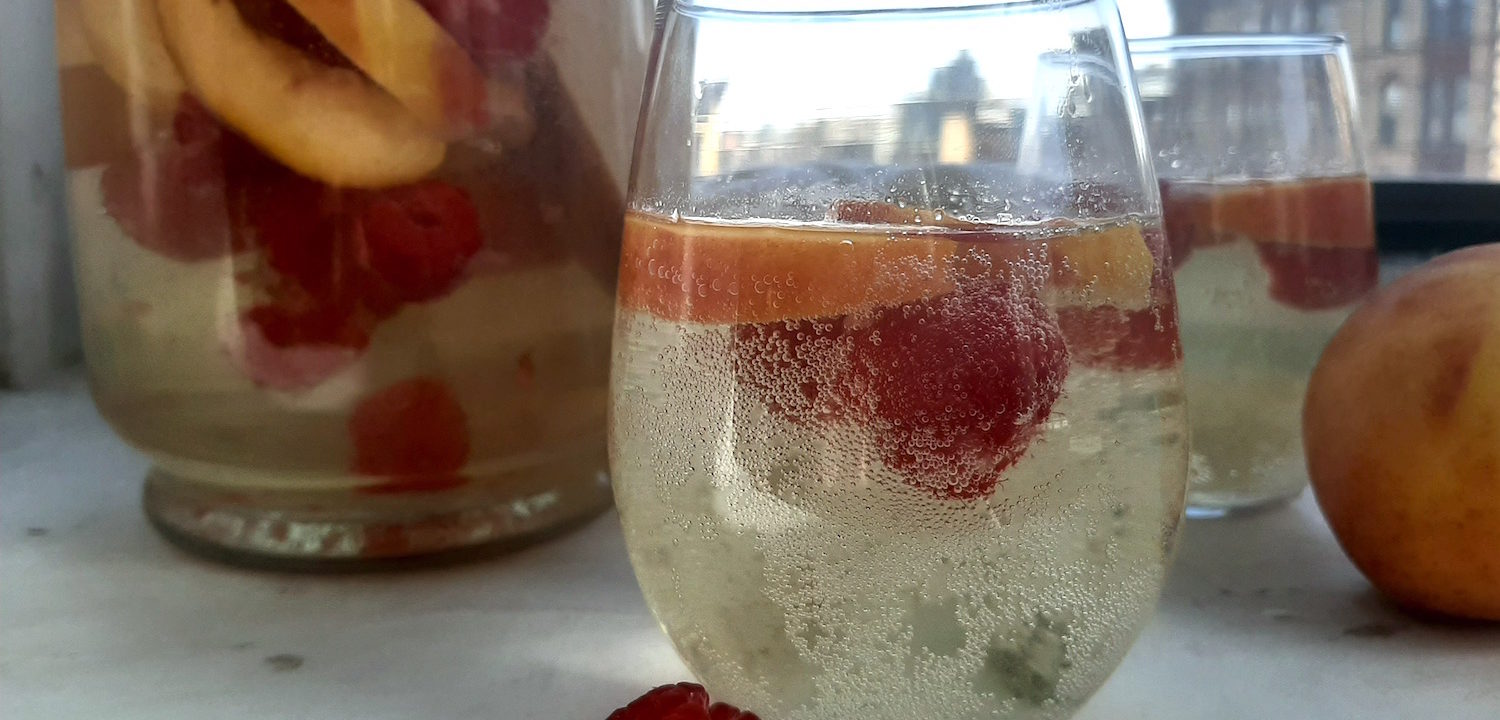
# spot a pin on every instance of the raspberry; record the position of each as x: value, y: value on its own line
x: 1123, y: 339
x: 412, y: 427
x: 1318, y: 278
x: 493, y: 31
x: 331, y: 325
x: 511, y: 217
x: 1141, y: 339
x: 419, y: 238
x: 959, y: 384
x: 725, y: 711
x: 683, y: 701
x: 797, y: 368
x: 290, y: 349
x: 414, y: 431
x: 169, y: 196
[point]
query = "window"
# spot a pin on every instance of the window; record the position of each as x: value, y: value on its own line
x: 1458, y: 116
x: 1390, y: 112
x: 1439, y: 19
x: 1324, y: 14
x: 1394, y: 32
x: 1422, y: 72
x: 1434, y: 109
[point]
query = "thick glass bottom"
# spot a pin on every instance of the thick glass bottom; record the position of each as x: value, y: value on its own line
x: 342, y: 530
x: 1209, y: 504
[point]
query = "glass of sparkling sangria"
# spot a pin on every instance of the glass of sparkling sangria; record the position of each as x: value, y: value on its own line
x: 1268, y: 213
x: 347, y: 267
x: 896, y: 424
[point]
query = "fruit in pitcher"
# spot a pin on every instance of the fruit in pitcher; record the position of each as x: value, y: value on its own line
x: 1402, y: 430
x: 400, y: 47
x: 419, y: 238
x: 493, y: 31
x: 126, y: 38
x: 414, y: 432
x: 323, y: 121
x: 168, y: 195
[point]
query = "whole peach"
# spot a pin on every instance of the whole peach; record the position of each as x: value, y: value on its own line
x: 1402, y: 432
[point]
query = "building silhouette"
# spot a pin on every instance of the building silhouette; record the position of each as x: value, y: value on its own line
x: 1425, y: 72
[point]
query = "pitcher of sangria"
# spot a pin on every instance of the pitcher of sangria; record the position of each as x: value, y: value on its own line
x: 1268, y: 211
x: 346, y: 268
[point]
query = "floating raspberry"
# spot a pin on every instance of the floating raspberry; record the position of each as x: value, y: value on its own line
x: 420, y: 238
x: 493, y: 31
x: 798, y: 368
x: 414, y: 432
x: 1308, y: 277
x: 959, y: 385
x: 169, y: 196
x: 683, y: 701
x: 1122, y: 339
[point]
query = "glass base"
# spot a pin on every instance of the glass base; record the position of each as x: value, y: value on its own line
x: 1211, y: 506
x: 331, y: 531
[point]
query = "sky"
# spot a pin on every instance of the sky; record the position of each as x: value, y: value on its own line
x: 781, y: 73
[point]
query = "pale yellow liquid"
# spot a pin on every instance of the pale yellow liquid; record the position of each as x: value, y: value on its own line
x: 1246, y: 363
x: 800, y: 578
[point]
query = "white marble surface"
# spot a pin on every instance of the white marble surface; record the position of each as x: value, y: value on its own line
x: 1263, y: 618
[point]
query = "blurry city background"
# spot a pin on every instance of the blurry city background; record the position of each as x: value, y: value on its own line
x: 1425, y: 72
x: 1425, y: 75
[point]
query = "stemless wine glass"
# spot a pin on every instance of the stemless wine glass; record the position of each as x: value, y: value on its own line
x: 896, y: 409
x: 1267, y: 208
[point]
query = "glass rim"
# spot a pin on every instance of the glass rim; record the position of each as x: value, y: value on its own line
x: 831, y: 9
x: 1229, y: 45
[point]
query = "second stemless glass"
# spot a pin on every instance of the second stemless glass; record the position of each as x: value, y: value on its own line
x: 896, y: 408
x: 1267, y: 208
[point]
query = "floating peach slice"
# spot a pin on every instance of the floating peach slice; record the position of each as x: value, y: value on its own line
x: 126, y: 39
x: 754, y: 274
x: 325, y: 122
x: 1109, y: 266
x: 1088, y: 266
x: 1322, y: 212
x: 399, y: 46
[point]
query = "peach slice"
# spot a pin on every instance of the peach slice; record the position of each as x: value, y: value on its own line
x: 399, y: 46
x: 1089, y: 267
x: 1110, y: 266
x: 325, y: 122
x: 743, y: 274
x: 126, y: 39
x: 1319, y: 212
